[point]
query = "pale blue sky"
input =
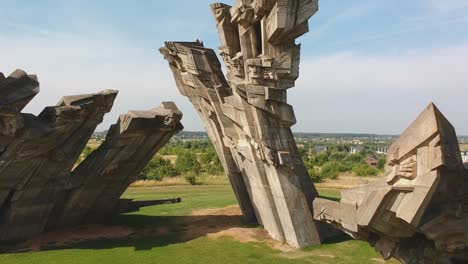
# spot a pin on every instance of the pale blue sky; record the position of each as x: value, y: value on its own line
x: 367, y: 65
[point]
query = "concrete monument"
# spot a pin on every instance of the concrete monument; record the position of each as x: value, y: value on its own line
x: 247, y: 116
x: 107, y: 172
x: 37, y: 154
x: 419, y: 212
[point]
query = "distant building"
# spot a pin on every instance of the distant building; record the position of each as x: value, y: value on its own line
x: 356, y: 149
x: 371, y: 161
x: 464, y: 155
x: 382, y: 150
x: 320, y: 149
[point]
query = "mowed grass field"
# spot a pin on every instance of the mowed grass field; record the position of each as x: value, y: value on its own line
x: 193, y: 231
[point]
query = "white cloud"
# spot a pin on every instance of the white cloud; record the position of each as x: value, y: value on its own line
x: 347, y: 14
x: 350, y: 92
x: 339, y: 92
x: 85, y: 62
x: 447, y: 5
x: 427, y: 70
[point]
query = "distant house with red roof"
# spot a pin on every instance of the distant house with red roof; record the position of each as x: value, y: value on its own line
x: 371, y: 161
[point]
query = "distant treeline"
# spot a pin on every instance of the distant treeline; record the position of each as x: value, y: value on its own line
x: 193, y: 135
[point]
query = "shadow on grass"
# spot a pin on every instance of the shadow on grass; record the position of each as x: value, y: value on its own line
x: 337, y: 239
x: 149, y: 232
x: 336, y: 199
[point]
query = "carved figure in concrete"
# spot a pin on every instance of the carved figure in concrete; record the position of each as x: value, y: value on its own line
x: 247, y: 116
x: 38, y: 153
x: 419, y: 213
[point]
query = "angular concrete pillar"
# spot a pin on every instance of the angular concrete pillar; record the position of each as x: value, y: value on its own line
x: 247, y: 115
x: 108, y: 171
x: 35, y: 165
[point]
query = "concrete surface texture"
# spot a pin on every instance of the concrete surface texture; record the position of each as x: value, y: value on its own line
x: 418, y: 213
x: 247, y: 115
x: 38, y: 185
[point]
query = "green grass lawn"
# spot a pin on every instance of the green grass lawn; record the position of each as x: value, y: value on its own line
x: 175, y: 246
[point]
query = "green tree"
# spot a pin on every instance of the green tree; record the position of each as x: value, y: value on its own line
x: 337, y: 156
x: 304, y: 152
x: 193, y: 179
x: 381, y: 163
x: 364, y: 170
x: 187, y: 162
x: 320, y: 159
x: 315, y: 175
x: 188, y: 145
x: 356, y: 158
x: 86, y: 151
x: 210, y: 161
x: 157, y: 169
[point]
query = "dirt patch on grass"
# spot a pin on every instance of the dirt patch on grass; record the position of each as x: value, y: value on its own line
x: 377, y: 260
x: 303, y: 254
x: 240, y: 233
x: 72, y: 236
x: 228, y: 211
x: 212, y: 223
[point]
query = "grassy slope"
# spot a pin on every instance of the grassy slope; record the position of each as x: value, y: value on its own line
x: 172, y: 249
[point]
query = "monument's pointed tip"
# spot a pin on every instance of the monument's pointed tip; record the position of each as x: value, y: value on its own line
x: 432, y: 106
x: 434, y: 110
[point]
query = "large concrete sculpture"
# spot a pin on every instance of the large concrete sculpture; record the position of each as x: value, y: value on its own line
x: 247, y: 117
x: 38, y: 153
x: 107, y: 172
x: 419, y: 213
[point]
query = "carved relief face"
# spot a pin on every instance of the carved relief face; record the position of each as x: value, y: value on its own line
x: 238, y: 67
x: 220, y: 12
x: 255, y: 70
x: 244, y: 15
x: 234, y: 65
x: 226, y: 58
x: 167, y: 55
x: 171, y: 120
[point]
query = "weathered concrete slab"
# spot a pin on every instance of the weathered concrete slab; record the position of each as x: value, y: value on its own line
x: 107, y: 172
x: 420, y: 213
x: 247, y: 116
x: 16, y: 91
x: 38, y: 190
x: 35, y: 166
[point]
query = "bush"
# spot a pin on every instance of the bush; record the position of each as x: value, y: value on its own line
x: 381, y: 163
x: 315, y: 175
x: 304, y: 153
x: 320, y: 159
x: 187, y: 162
x: 356, y: 158
x: 346, y: 166
x: 86, y: 151
x: 330, y: 170
x: 157, y: 169
x: 337, y: 156
x: 214, y: 168
x: 210, y: 162
x: 193, y: 179
x: 364, y: 170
